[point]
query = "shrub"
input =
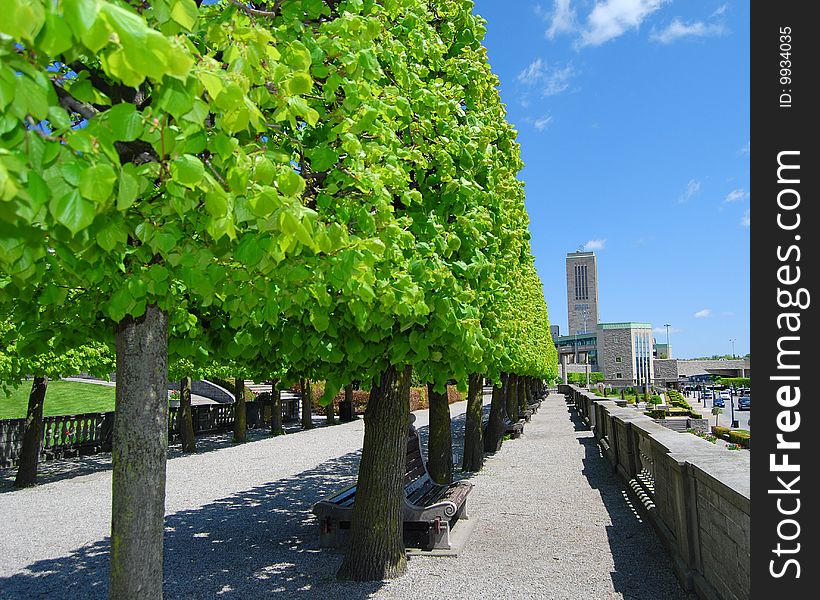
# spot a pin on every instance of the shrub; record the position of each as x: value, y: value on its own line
x: 719, y: 430
x: 740, y: 437
x: 695, y: 415
x: 656, y: 414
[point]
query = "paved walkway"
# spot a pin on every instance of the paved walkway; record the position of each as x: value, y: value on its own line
x: 552, y: 523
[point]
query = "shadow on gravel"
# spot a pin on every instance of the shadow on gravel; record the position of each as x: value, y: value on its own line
x: 50, y: 471
x: 643, y: 569
x: 260, y: 542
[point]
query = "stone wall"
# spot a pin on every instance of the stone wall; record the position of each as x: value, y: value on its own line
x: 666, y: 371
x: 697, y: 495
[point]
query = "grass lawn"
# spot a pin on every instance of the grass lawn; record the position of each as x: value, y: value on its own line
x: 62, y: 398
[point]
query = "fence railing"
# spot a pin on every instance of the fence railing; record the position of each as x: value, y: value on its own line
x: 78, y: 435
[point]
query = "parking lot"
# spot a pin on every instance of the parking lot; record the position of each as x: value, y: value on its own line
x: 725, y: 418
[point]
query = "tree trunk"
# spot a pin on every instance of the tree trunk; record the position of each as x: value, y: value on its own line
x: 494, y: 434
x: 330, y: 412
x: 440, y: 440
x: 473, y: 427
x: 307, y: 404
x: 276, y: 410
x: 240, y: 413
x: 376, y: 549
x: 511, y: 400
x: 33, y: 435
x: 139, y: 453
x: 185, y: 419
x: 522, y: 395
x: 346, y: 411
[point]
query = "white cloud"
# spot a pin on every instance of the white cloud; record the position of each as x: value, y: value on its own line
x: 550, y: 81
x: 533, y: 72
x: 692, y: 190
x: 735, y: 195
x: 594, y: 245
x: 612, y: 18
x: 562, y: 19
x: 702, y: 314
x: 720, y: 10
x: 677, y: 29
x: 746, y: 220
x: 541, y: 124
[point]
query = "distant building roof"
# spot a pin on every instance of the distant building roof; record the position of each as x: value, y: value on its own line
x: 625, y: 325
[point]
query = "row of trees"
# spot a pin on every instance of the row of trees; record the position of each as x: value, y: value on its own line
x: 319, y: 189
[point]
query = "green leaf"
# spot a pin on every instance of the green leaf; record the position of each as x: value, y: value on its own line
x: 185, y: 13
x: 322, y: 158
x: 125, y: 122
x: 73, y: 211
x: 112, y: 234
x: 119, y: 305
x: 187, y: 170
x: 300, y: 83
x: 80, y: 14
x: 129, y: 187
x: 55, y: 37
x: 97, y: 182
x: 290, y: 183
x: 22, y: 20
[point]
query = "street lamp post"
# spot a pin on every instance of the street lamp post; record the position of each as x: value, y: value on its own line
x: 733, y: 346
x: 668, y: 353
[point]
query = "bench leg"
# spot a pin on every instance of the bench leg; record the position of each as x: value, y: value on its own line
x: 439, y: 535
x: 329, y: 533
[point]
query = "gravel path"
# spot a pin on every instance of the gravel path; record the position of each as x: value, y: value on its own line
x: 552, y: 524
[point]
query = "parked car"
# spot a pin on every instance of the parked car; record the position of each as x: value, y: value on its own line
x: 719, y: 401
x: 744, y: 403
x: 707, y: 395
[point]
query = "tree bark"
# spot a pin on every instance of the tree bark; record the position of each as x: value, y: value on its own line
x: 346, y: 411
x: 511, y: 400
x: 330, y: 412
x: 240, y: 414
x: 185, y: 416
x: 33, y: 435
x: 139, y: 453
x: 307, y: 404
x: 522, y: 395
x: 440, y: 440
x: 473, y: 458
x: 376, y: 549
x: 276, y: 410
x: 494, y: 433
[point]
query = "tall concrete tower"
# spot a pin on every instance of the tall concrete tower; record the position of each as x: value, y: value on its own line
x: 582, y: 292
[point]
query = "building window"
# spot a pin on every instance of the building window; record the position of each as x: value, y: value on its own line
x: 619, y: 375
x: 617, y: 359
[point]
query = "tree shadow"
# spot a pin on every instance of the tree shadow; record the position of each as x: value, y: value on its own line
x: 643, y: 569
x: 253, y: 543
x: 257, y: 542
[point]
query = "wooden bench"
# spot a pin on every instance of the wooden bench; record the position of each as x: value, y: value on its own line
x: 430, y: 510
x: 513, y: 429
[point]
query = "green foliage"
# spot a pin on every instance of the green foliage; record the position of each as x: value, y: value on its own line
x: 302, y: 200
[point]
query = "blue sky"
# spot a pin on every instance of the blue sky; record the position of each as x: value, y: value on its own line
x: 633, y: 120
